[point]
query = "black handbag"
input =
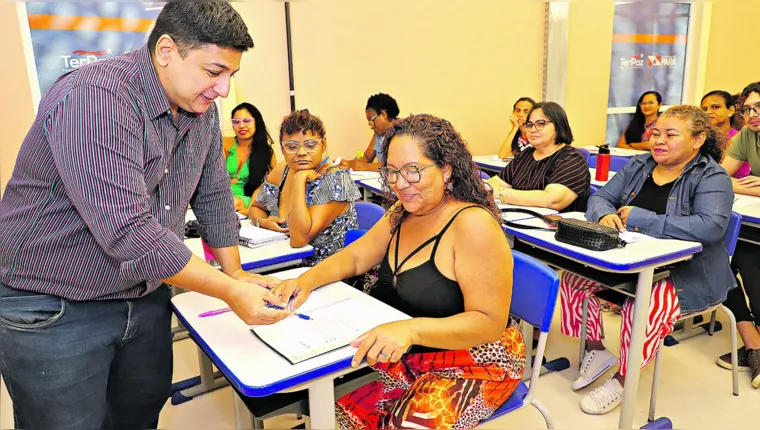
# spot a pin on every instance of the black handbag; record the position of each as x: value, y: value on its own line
x: 585, y: 234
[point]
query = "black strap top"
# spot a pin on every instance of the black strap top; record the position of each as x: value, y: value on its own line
x: 422, y: 291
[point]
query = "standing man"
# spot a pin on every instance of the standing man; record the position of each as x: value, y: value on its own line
x: 92, y: 219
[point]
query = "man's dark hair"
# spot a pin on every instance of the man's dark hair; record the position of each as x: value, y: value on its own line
x: 751, y: 88
x: 195, y: 24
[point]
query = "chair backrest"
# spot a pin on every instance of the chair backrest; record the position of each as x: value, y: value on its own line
x: 534, y: 291
x: 617, y: 163
x: 732, y: 233
x: 368, y: 214
x: 483, y: 175
x: 352, y: 236
x: 591, y: 160
x: 593, y: 189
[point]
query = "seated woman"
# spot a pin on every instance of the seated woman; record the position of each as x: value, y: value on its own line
x: 517, y: 139
x: 551, y: 174
x: 452, y: 273
x: 251, y: 157
x: 719, y: 106
x: 683, y: 164
x: 381, y: 111
x: 307, y: 197
x: 640, y: 128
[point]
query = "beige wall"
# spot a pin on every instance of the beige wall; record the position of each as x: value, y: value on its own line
x: 464, y: 61
x: 588, y: 70
x: 263, y: 77
x: 733, y: 29
x: 17, y: 113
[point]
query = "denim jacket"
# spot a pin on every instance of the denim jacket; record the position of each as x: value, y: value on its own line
x: 698, y: 210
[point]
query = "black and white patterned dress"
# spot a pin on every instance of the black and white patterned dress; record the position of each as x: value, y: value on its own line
x: 335, y: 186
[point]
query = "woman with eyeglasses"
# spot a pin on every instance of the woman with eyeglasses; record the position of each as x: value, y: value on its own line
x: 640, y: 128
x: 719, y: 106
x: 517, y: 139
x: 381, y: 111
x: 445, y: 262
x: 251, y: 157
x: 551, y: 174
x: 307, y: 197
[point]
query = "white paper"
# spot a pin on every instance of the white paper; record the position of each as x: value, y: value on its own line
x: 633, y: 237
x: 332, y: 326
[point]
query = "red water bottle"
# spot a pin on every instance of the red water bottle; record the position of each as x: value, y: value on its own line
x: 603, y: 163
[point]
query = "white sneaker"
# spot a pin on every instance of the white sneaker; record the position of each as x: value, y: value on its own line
x: 603, y: 399
x: 594, y: 364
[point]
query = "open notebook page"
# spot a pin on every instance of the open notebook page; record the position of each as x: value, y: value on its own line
x: 333, y: 325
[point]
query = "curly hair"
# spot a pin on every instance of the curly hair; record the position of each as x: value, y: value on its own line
x: 698, y: 122
x: 301, y: 121
x: 442, y: 144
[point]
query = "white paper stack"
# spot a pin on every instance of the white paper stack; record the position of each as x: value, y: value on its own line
x: 254, y: 237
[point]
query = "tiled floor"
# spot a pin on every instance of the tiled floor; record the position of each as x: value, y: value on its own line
x: 694, y: 392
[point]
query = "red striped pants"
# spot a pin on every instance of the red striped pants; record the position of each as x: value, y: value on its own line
x: 664, y: 312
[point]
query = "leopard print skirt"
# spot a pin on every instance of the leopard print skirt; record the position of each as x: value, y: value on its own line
x: 447, y: 389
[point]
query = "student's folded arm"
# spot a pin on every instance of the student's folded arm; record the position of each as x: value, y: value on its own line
x: 483, y: 269
x: 306, y: 223
x: 711, y: 212
x: 505, y: 150
x: 554, y: 196
x: 100, y: 164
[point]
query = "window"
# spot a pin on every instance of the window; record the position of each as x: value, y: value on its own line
x: 648, y: 53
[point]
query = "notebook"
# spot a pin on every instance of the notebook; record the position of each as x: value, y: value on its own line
x: 334, y: 323
x: 251, y: 236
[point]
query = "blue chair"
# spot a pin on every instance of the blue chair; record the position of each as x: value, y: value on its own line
x: 534, y: 296
x: 369, y: 214
x: 483, y: 175
x: 730, y: 239
x: 593, y: 189
x: 352, y: 236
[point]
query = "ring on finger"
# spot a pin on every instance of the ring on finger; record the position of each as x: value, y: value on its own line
x: 384, y: 356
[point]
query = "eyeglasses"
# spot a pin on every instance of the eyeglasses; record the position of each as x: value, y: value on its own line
x: 291, y: 147
x: 744, y: 111
x: 650, y: 103
x: 411, y: 173
x: 371, y: 121
x: 540, y: 124
x: 238, y: 121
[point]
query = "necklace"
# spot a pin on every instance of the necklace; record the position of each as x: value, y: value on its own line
x: 443, y: 200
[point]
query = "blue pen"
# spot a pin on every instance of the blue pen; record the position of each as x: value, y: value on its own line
x: 280, y: 308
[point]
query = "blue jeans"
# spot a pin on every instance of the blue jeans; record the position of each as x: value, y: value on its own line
x: 93, y: 364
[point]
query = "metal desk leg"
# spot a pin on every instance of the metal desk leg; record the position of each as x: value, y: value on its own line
x: 184, y: 391
x: 322, y: 404
x: 636, y: 349
x: 556, y: 365
x: 691, y: 327
x: 243, y: 417
x: 367, y: 194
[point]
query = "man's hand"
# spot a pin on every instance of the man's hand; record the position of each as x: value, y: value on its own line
x: 268, y: 282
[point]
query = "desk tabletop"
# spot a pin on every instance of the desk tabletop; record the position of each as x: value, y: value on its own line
x: 372, y: 185
x: 490, y: 161
x: 519, y: 216
x: 263, y: 256
x: 632, y: 258
x: 592, y: 171
x: 250, y: 365
x: 358, y: 175
x: 619, y: 152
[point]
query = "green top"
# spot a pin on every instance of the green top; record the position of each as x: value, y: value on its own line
x: 746, y: 147
x: 238, y: 190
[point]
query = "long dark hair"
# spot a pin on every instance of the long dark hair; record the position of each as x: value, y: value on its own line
x: 260, y: 159
x: 637, y: 125
x: 441, y: 143
x: 699, y: 123
x: 515, y: 145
